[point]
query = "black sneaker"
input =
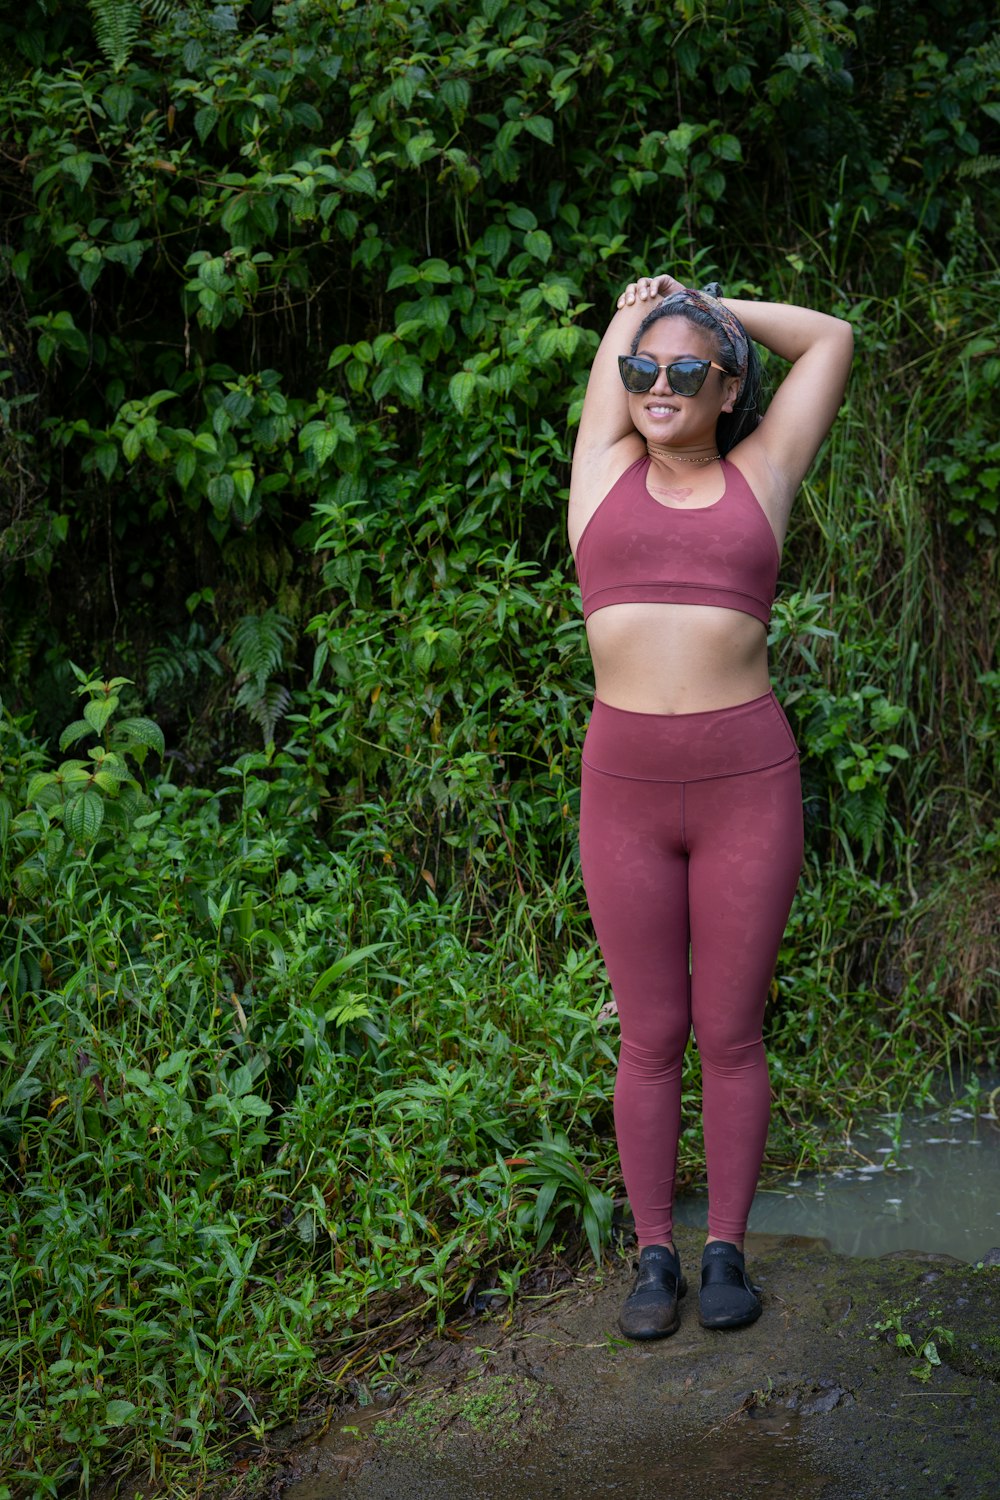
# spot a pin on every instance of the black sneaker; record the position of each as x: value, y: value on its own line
x: 650, y: 1309
x: 728, y: 1298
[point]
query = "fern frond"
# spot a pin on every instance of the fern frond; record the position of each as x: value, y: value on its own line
x: 864, y: 815
x: 987, y: 57
x: 180, y: 660
x: 160, y: 11
x: 258, y: 644
x: 117, y: 24
x: 979, y: 166
x: 265, y: 706
x: 349, y: 1006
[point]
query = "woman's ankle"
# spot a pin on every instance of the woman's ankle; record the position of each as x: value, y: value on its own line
x: 714, y: 1239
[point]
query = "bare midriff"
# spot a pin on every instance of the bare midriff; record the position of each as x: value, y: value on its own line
x: 677, y: 658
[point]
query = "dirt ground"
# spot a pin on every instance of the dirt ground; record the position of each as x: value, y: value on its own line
x: 813, y: 1402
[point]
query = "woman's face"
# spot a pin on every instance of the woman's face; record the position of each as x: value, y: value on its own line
x: 659, y: 414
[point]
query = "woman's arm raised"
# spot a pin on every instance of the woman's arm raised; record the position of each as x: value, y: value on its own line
x: 605, y: 420
x: 803, y: 408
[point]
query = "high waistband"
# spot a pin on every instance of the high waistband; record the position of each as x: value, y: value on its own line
x: 688, y: 747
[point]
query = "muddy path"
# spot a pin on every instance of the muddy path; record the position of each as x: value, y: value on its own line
x: 814, y: 1401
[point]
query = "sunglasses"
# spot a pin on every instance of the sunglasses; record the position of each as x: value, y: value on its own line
x: 686, y: 376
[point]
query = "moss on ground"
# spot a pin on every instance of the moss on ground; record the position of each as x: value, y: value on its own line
x: 502, y: 1409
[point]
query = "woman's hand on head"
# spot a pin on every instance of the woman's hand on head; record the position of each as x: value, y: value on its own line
x: 648, y: 287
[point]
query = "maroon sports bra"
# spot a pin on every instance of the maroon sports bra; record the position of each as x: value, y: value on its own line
x: 636, y: 551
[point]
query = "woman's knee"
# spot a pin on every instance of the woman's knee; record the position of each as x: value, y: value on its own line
x: 730, y: 1044
x: 653, y: 1048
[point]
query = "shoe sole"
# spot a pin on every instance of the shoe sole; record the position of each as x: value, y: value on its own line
x: 723, y: 1323
x: 650, y: 1338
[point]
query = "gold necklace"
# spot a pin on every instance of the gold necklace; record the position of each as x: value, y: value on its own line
x: 681, y: 458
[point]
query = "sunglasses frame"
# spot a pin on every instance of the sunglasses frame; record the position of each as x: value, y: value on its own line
x: 624, y: 362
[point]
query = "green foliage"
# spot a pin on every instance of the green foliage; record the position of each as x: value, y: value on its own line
x: 212, y: 1132
x: 560, y: 1182
x: 81, y: 801
x: 922, y: 1347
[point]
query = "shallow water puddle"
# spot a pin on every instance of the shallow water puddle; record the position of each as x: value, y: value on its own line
x: 929, y: 1184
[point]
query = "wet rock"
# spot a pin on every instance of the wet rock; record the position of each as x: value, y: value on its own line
x: 992, y: 1257
x: 923, y: 1257
x: 822, y: 1397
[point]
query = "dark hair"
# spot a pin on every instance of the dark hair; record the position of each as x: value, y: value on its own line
x: 733, y: 425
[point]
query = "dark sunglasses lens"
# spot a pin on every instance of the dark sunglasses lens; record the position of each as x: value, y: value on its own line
x: 687, y: 376
x: 638, y: 375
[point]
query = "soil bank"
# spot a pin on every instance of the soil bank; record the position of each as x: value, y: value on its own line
x: 815, y: 1401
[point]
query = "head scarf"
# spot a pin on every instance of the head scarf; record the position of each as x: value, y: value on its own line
x: 727, y: 321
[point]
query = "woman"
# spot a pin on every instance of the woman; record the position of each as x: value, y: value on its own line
x: 691, y: 813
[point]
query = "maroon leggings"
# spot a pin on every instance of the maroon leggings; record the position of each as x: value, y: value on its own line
x: 691, y: 846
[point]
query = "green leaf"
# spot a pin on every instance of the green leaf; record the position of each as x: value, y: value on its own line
x: 141, y: 731
x: 243, y: 483
x: 461, y: 389
x: 128, y: 256
x: 727, y: 148
x: 220, y: 494
x: 420, y: 147
x: 496, y: 242
x: 361, y: 180
x: 455, y: 94
x: 214, y: 275
x: 205, y: 121
x: 171, y: 1066
x: 73, y: 732
x: 117, y: 1413
x: 37, y: 785
x: 83, y: 817
x: 106, y: 458
x: 307, y: 116
x: 683, y: 136
x: 185, y: 467
x: 109, y: 764
x: 541, y: 127
x: 323, y: 445
x: 436, y: 271
x: 538, y: 244
x: 118, y: 99
x: 402, y: 276
x: 79, y: 167
x: 349, y: 960
x: 99, y: 710
x: 255, y: 1106
x: 410, y: 379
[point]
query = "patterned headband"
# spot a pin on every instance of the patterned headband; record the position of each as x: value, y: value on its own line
x: 727, y: 321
